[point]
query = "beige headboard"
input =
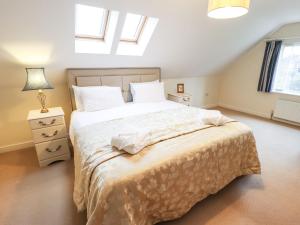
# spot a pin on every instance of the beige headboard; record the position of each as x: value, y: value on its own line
x: 117, y: 77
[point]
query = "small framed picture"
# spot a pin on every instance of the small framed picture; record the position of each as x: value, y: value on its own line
x: 180, y: 88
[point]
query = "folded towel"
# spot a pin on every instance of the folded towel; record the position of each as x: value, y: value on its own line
x: 131, y: 142
x: 214, y: 117
x: 135, y: 138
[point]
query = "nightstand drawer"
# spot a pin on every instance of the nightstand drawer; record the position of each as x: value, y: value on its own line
x: 49, y: 133
x: 186, y: 99
x: 52, y: 149
x: 46, y: 122
x: 46, y: 162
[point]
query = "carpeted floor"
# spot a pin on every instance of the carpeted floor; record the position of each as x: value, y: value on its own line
x: 30, y: 195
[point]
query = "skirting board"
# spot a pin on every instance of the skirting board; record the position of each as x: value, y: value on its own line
x: 286, y: 121
x: 260, y: 114
x: 15, y: 147
x: 209, y: 106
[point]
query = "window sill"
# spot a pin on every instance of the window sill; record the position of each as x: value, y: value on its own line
x: 286, y: 93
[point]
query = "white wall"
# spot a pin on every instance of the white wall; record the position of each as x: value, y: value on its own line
x: 185, y: 42
x: 204, y: 89
x: 238, y: 88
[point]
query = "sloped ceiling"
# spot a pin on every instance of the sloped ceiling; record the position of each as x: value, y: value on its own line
x: 186, y: 42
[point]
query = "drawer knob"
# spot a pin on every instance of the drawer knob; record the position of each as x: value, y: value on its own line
x: 47, y: 135
x: 47, y: 124
x: 53, y: 150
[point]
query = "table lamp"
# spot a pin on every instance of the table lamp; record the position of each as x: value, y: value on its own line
x: 36, y: 80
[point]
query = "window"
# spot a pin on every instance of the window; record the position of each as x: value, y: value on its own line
x: 91, y: 22
x: 94, y: 29
x: 136, y: 34
x: 287, y: 75
x: 133, y: 27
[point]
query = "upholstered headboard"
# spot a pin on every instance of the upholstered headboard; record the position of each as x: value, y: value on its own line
x: 117, y: 77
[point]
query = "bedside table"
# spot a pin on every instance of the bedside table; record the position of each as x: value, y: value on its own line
x: 182, y: 98
x: 49, y: 135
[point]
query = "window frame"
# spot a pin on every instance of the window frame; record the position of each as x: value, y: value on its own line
x: 138, y: 48
x: 99, y: 42
x: 139, y: 31
x: 286, y: 43
x: 94, y: 37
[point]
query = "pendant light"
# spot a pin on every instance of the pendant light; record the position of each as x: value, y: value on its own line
x: 225, y: 9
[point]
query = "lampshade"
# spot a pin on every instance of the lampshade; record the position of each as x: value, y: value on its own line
x: 36, y: 80
x: 225, y: 9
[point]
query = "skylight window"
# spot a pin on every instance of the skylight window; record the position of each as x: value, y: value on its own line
x: 136, y: 34
x: 91, y: 22
x: 133, y: 27
x: 94, y: 29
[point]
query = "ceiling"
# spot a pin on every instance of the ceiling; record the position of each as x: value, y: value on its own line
x: 186, y: 42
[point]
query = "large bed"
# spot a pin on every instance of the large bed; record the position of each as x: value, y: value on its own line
x: 164, y: 180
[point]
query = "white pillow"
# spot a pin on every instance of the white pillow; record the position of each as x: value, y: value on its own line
x: 99, y: 98
x: 143, y: 83
x: 147, y: 92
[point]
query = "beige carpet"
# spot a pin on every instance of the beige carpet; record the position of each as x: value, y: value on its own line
x: 30, y: 195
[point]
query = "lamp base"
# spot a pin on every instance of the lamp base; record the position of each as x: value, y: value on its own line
x: 42, y: 99
x: 45, y: 110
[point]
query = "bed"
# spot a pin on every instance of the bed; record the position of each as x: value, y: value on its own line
x: 164, y: 180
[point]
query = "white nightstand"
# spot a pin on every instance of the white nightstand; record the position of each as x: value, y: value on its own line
x: 49, y: 135
x: 182, y: 98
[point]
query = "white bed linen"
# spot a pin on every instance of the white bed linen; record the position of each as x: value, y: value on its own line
x: 80, y: 119
x: 132, y: 138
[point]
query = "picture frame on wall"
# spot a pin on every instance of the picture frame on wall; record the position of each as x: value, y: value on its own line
x: 180, y: 88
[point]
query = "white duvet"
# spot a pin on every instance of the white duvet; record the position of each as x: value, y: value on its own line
x: 82, y: 119
x: 135, y: 138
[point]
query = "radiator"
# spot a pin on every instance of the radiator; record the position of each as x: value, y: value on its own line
x: 288, y: 111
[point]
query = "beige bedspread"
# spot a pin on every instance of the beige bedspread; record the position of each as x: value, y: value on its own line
x: 163, y: 181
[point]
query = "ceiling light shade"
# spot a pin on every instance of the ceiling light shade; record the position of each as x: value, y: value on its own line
x: 225, y: 9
